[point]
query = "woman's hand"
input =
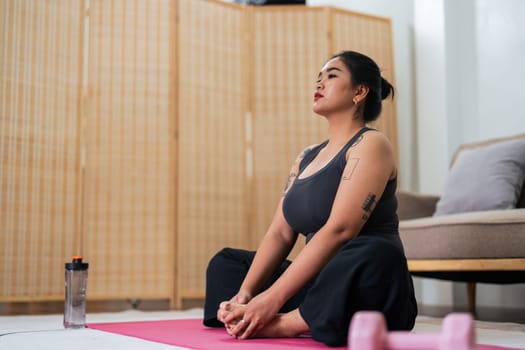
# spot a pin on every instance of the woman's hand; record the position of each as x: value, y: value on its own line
x: 245, y: 321
x: 241, y: 298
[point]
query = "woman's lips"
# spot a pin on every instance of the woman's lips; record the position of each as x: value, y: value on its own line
x: 317, y: 96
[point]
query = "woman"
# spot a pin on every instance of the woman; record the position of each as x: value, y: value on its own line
x: 341, y: 195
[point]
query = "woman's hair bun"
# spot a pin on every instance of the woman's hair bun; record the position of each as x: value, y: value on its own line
x: 363, y: 70
x: 386, y: 89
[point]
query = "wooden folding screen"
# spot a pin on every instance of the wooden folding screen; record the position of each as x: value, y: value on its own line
x: 212, y: 193
x: 146, y: 135
x: 289, y: 47
x: 40, y: 80
x: 129, y: 181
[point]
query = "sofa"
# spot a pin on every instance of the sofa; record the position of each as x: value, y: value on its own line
x: 475, y: 231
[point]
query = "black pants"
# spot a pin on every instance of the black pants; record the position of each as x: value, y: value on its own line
x: 368, y: 273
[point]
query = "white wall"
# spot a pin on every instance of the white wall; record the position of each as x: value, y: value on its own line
x: 501, y: 67
x: 430, y: 96
x: 501, y: 94
x: 470, y: 72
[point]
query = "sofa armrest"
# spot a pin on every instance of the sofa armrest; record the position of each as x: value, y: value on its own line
x: 415, y: 205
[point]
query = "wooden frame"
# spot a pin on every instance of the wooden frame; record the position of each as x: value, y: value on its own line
x: 450, y: 265
x: 466, y: 265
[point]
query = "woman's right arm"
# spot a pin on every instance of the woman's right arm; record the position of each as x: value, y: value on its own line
x: 273, y: 249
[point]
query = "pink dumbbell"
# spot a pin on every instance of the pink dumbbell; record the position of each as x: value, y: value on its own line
x: 368, y: 332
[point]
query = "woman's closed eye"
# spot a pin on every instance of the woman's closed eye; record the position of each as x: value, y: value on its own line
x: 329, y: 76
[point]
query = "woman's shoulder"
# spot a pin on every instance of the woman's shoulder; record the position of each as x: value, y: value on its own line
x: 308, y: 149
x: 375, y: 148
x: 372, y: 142
x: 304, y: 153
x: 376, y: 137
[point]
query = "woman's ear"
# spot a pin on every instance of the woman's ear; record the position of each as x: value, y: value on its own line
x: 360, y: 93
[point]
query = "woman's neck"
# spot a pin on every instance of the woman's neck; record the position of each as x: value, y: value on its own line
x: 341, y: 129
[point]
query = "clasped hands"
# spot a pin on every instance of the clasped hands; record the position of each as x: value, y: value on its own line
x: 244, y: 316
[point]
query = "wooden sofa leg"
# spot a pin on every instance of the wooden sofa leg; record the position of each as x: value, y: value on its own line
x: 471, y: 295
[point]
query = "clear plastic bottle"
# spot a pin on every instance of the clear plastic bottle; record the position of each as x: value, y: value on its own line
x: 75, y: 299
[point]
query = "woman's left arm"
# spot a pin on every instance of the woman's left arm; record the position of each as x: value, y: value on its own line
x: 370, y: 164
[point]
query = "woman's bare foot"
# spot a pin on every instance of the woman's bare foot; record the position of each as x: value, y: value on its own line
x: 225, y: 308
x: 288, y: 325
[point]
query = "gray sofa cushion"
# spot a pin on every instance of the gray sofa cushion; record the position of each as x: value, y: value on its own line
x: 476, y: 235
x: 486, y: 178
x: 415, y: 205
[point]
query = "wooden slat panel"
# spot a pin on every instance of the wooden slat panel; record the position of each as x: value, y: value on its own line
x: 211, y: 121
x: 40, y: 79
x: 290, y: 46
x: 436, y: 265
x: 371, y: 36
x: 129, y: 181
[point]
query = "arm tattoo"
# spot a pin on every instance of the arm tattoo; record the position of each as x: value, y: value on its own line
x: 293, y: 175
x: 352, y: 164
x: 291, y: 178
x: 306, y: 150
x: 356, y: 142
x: 303, y: 154
x: 368, y: 205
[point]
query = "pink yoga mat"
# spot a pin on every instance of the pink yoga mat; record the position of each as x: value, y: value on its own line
x: 193, y: 335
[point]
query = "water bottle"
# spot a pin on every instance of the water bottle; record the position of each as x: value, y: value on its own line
x: 75, y: 298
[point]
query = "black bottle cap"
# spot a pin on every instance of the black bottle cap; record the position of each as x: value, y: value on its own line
x: 77, y: 264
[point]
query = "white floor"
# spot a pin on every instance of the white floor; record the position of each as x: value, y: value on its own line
x: 46, y: 332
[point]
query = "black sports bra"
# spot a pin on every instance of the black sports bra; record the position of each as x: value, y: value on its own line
x: 308, y: 202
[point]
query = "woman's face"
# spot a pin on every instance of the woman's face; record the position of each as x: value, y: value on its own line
x: 333, y: 89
